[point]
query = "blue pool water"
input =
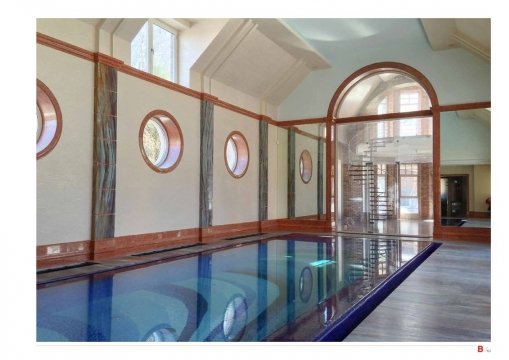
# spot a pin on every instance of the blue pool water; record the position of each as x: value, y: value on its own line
x: 293, y: 288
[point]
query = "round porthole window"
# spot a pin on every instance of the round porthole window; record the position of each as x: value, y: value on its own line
x: 236, y: 154
x: 49, y: 120
x: 305, y: 166
x: 235, y: 318
x: 161, y: 141
x: 305, y: 284
x: 162, y: 334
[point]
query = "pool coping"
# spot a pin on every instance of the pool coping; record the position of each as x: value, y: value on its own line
x: 344, y: 325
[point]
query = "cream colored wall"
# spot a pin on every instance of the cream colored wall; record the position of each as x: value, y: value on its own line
x: 482, y: 186
x: 148, y: 201
x: 73, y: 31
x: 235, y: 200
x: 192, y: 43
x: 64, y: 176
x: 121, y: 49
x: 464, y: 141
x: 306, y: 194
x: 234, y: 96
x: 282, y: 173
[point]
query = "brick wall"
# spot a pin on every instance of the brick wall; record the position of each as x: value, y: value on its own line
x: 426, y: 191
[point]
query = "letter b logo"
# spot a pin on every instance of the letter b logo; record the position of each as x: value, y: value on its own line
x: 479, y: 348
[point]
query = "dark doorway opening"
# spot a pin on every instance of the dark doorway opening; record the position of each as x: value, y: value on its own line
x: 454, y: 196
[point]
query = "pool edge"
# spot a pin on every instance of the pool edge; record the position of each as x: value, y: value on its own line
x: 342, y: 327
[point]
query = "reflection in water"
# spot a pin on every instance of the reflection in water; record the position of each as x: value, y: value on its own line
x: 327, y: 311
x: 272, y: 290
x: 305, y: 284
x: 162, y: 335
x: 235, y: 318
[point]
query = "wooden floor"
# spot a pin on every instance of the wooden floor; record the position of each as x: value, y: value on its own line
x: 447, y: 298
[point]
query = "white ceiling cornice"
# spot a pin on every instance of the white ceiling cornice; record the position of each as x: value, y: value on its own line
x: 473, y: 35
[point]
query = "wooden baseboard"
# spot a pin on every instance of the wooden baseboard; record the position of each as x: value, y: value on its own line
x: 134, y: 244
x: 80, y: 251
x: 60, y: 254
x: 479, y: 215
x: 219, y: 232
x: 460, y: 233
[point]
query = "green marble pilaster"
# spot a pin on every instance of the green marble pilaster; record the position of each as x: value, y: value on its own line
x: 105, y: 152
x: 320, y: 166
x: 263, y: 179
x: 206, y: 162
x: 291, y: 173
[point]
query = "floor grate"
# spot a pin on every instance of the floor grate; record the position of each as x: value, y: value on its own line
x: 244, y: 236
x: 66, y: 267
x: 163, y: 250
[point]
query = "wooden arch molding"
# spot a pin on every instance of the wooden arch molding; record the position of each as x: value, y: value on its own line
x: 375, y: 68
x: 335, y: 103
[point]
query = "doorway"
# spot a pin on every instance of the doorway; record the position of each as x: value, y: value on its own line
x: 454, y: 197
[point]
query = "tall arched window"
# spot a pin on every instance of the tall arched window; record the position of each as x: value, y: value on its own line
x: 384, y: 127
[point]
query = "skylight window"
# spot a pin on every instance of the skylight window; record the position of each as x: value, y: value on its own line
x: 153, y: 50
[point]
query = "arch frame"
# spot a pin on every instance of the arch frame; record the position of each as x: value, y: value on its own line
x: 339, y: 95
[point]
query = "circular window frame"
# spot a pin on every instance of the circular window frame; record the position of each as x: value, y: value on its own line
x: 51, y: 120
x: 242, y: 147
x: 174, y: 137
x: 307, y: 166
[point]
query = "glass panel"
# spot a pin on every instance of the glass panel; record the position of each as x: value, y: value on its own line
x: 408, y: 127
x: 409, y: 101
x: 163, y: 53
x: 409, y: 205
x: 155, y: 142
x: 409, y: 186
x: 231, y: 154
x: 307, y: 175
x: 139, y: 49
x: 40, y: 124
x: 382, y: 107
x: 369, y: 186
x: 382, y: 93
x: 381, y: 183
x: 465, y: 168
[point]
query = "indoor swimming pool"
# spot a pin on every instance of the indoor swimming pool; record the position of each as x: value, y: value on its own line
x: 284, y: 288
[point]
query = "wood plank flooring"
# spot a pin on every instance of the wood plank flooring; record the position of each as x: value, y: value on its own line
x: 448, y: 298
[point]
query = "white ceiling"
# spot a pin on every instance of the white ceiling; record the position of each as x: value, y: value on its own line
x: 483, y: 115
x: 473, y: 35
x: 261, y: 57
x: 269, y: 58
x: 254, y: 65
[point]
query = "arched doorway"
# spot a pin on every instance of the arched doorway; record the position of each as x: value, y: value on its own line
x: 382, y: 151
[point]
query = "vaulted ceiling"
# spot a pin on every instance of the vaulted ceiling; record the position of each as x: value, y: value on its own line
x: 261, y: 57
x: 268, y: 58
x: 471, y: 34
